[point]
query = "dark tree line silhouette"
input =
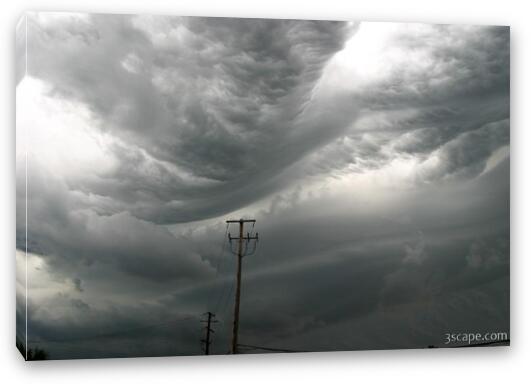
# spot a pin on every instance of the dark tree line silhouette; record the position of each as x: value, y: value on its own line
x: 33, y: 353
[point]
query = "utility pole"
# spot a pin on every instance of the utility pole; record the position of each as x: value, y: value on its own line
x: 208, y: 330
x: 240, y: 255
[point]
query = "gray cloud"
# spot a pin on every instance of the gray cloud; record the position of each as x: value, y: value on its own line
x: 233, y: 102
x: 70, y: 233
x: 214, y: 99
x: 462, y: 87
x: 302, y: 288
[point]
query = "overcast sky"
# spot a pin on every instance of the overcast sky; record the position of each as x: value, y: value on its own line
x: 374, y: 157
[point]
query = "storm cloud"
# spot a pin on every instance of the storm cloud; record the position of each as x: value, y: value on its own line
x: 374, y: 156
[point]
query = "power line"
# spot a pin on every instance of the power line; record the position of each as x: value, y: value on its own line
x: 254, y: 347
x: 218, y: 266
x: 226, y: 305
x: 224, y: 241
x: 498, y: 342
x: 486, y: 344
x: 222, y: 295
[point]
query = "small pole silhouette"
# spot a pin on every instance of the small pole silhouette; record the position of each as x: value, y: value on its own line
x: 240, y: 255
x: 208, y: 330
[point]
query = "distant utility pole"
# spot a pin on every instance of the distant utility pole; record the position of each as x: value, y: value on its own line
x: 241, y: 253
x: 208, y: 330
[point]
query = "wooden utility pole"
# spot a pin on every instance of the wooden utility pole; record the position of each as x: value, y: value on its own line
x: 208, y: 330
x: 240, y: 255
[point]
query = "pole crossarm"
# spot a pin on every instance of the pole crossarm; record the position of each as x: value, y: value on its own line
x: 241, y: 221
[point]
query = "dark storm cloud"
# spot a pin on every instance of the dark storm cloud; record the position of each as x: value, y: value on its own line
x: 212, y: 97
x: 403, y: 274
x: 461, y: 88
x: 462, y: 64
x: 71, y: 235
x: 233, y: 102
x: 467, y: 154
x: 209, y: 116
x: 318, y: 270
x: 76, y: 330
